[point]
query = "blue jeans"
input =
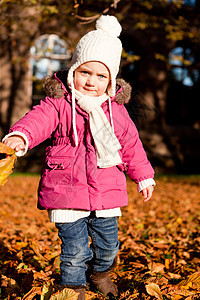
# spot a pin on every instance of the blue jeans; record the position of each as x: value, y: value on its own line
x: 76, y: 253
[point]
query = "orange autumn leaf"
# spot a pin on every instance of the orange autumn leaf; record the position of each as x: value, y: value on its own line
x: 192, y: 280
x: 46, y: 291
x: 7, y: 163
x: 34, y: 246
x: 65, y: 294
x: 154, y: 290
x: 6, y: 149
x: 32, y: 293
x: 156, y: 267
x: 30, y: 246
x: 176, y: 297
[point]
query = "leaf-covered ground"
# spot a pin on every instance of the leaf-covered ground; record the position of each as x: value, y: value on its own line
x: 159, y: 256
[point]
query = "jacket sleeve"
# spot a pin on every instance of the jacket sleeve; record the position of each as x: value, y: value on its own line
x: 39, y: 123
x: 138, y: 167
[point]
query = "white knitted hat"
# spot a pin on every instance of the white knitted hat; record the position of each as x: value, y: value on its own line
x: 102, y: 45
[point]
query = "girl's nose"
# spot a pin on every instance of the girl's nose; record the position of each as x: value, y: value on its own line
x: 91, y: 80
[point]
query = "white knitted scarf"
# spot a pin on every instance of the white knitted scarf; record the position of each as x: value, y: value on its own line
x: 105, y: 140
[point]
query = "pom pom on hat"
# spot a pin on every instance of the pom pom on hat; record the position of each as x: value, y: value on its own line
x: 109, y: 24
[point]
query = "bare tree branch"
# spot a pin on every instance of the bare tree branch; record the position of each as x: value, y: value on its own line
x: 88, y: 20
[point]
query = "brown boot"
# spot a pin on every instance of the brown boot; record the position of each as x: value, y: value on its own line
x: 81, y: 292
x: 103, y: 283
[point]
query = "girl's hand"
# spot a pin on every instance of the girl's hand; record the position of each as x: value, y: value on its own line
x: 147, y: 193
x: 15, y: 142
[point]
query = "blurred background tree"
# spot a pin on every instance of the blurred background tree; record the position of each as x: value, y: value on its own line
x: 161, y: 60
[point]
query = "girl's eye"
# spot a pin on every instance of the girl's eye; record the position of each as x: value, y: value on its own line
x: 102, y: 76
x: 85, y: 72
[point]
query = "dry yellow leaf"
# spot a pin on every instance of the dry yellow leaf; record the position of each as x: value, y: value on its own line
x: 7, y: 163
x: 6, y: 149
x: 176, y: 297
x: 156, y: 267
x: 66, y: 294
x: 34, y: 246
x: 154, y: 290
x: 32, y: 293
x: 174, y: 276
x: 167, y: 263
x: 46, y: 291
x: 191, y: 280
x: 184, y: 293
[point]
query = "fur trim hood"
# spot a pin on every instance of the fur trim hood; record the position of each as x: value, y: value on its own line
x: 55, y: 88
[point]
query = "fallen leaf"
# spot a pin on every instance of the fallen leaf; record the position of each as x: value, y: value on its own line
x: 34, y: 246
x: 7, y: 163
x: 6, y: 149
x: 176, y: 297
x: 33, y: 292
x: 30, y: 246
x: 156, y: 267
x: 193, y: 279
x: 46, y: 291
x: 154, y: 290
x: 65, y: 294
x: 174, y: 276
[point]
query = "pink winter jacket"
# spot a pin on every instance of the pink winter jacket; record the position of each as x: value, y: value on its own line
x: 70, y: 176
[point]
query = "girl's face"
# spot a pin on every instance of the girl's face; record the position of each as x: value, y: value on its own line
x: 92, y: 78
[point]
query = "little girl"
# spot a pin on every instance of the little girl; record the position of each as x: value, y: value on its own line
x: 94, y: 142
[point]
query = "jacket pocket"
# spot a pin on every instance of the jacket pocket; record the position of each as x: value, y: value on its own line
x: 58, y: 171
x: 112, y: 179
x: 59, y: 163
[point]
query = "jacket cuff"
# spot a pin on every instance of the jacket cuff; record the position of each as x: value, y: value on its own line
x: 145, y: 183
x: 21, y: 152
